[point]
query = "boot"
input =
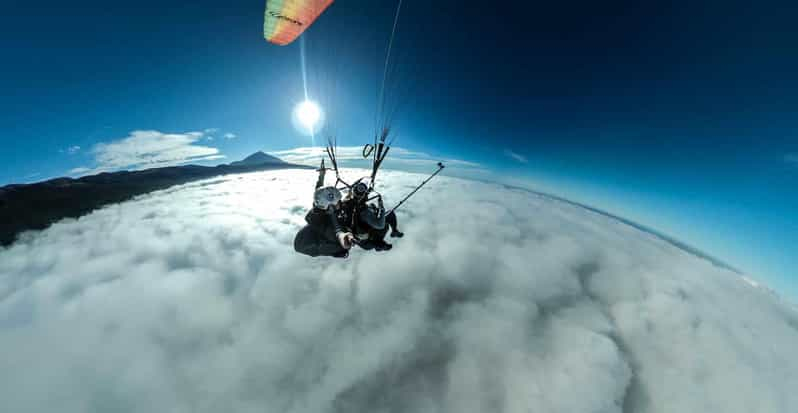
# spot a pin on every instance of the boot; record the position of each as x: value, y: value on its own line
x: 382, y: 246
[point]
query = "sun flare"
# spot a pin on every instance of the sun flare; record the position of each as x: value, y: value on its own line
x: 308, y: 116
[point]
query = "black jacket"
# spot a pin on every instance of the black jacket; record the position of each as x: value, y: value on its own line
x: 320, y: 236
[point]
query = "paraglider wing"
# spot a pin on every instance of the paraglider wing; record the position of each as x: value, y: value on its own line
x: 285, y: 20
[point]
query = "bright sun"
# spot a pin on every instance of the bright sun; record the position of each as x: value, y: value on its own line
x: 308, y: 114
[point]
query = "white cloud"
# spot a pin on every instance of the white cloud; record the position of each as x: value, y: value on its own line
x: 79, y: 170
x: 517, y: 157
x: 495, y: 300
x: 211, y: 130
x: 71, y: 150
x: 229, y: 135
x: 148, y: 149
x: 31, y: 177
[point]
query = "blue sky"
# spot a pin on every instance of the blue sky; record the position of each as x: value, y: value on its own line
x: 680, y: 117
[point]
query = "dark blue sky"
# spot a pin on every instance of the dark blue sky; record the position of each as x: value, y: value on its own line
x: 680, y: 116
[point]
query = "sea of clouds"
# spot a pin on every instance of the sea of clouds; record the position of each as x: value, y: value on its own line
x: 192, y: 299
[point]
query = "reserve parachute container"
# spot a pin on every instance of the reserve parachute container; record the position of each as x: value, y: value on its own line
x: 285, y: 20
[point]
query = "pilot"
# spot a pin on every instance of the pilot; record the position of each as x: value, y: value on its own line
x: 324, y: 235
x: 369, y: 221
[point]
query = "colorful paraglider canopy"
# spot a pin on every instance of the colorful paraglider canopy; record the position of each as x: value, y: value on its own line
x: 285, y: 20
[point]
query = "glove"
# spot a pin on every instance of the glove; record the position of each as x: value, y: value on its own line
x: 346, y: 239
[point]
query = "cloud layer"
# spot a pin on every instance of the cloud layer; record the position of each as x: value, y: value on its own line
x: 150, y: 149
x: 516, y: 156
x: 399, y: 158
x: 192, y: 300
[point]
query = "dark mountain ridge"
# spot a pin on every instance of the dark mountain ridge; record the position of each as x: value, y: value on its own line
x: 36, y: 206
x: 258, y: 158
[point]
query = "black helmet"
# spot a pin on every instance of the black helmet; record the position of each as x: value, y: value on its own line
x: 360, y: 190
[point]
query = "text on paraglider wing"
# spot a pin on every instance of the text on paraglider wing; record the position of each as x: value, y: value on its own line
x: 277, y: 15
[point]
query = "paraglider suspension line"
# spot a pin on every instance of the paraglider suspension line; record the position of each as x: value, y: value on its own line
x: 381, y: 99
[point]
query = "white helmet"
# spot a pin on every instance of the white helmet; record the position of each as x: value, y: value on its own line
x: 325, y: 197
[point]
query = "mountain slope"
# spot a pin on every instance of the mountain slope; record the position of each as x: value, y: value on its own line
x: 37, y: 206
x: 258, y: 158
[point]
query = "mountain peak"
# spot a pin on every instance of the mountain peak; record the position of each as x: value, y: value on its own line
x: 258, y: 158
